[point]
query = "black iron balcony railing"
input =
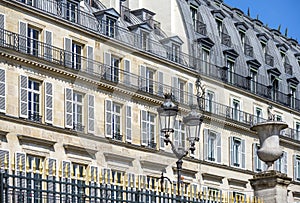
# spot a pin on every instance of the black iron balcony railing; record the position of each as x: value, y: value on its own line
x: 225, y: 39
x: 269, y: 60
x: 36, y: 117
x: 288, y: 68
x: 117, y: 136
x: 78, y: 127
x: 200, y: 27
x: 152, y: 144
x: 248, y: 50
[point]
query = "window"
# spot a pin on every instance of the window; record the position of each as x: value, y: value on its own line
x: 71, y: 11
x: 235, y: 110
x: 278, y: 118
x: 237, y: 152
x: 110, y: 27
x: 212, y: 146
x: 194, y: 14
x: 179, y: 134
x: 242, y: 37
x: 297, y: 168
x: 230, y: 70
x: 210, y: 101
x: 219, y: 26
x: 78, y: 170
x: 114, y: 74
x: 258, y: 115
x: 35, y: 164
x: 147, y: 79
x: 253, y: 80
x: 297, y: 131
x: 205, y: 58
x: 148, y: 131
x: 113, y: 120
x: 181, y: 87
x: 76, y: 56
x: 78, y: 112
x: 144, y: 40
x: 274, y: 87
x: 34, y: 100
x: 175, y: 53
x: 32, y: 41
x: 258, y: 165
x: 263, y: 46
x: 293, y: 96
x: 281, y: 163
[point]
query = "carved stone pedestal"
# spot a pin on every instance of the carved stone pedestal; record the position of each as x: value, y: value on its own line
x: 271, y: 186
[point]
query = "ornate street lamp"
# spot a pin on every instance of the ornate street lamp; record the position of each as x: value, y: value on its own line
x: 167, y: 115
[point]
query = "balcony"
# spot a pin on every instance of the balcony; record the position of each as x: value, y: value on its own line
x: 200, y: 27
x: 78, y: 127
x: 225, y: 39
x: 117, y: 137
x: 35, y: 117
x: 152, y: 144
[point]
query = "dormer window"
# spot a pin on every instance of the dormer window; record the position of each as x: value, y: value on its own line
x: 108, y: 20
x: 263, y: 38
x: 144, y: 39
x: 293, y: 83
x: 219, y: 16
x: 253, y: 66
x: 110, y: 27
x: 297, y: 55
x: 173, y: 44
x: 142, y: 35
x: 219, y: 25
x: 229, y: 68
x: 71, y: 11
x: 194, y: 14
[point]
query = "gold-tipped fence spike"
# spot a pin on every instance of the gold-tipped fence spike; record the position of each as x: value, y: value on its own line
x: 5, y: 162
x: 47, y: 168
x: 67, y: 172
x: 27, y: 165
x: 54, y: 169
x: 116, y: 178
x: 89, y: 177
x: 106, y: 177
x: 110, y: 179
x: 77, y: 172
x: 41, y: 167
x: 12, y: 162
x: 122, y: 181
x: 34, y: 165
x: 84, y: 173
x: 100, y: 177
x: 95, y: 175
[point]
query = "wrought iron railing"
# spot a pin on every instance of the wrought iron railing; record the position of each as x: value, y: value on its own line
x: 36, y: 117
x: 117, y: 136
x: 44, y: 186
x: 78, y: 127
x: 152, y: 144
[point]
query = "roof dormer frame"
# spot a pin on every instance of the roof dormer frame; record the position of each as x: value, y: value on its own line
x: 241, y: 26
x: 254, y: 64
x: 218, y: 14
x: 263, y: 37
x: 111, y: 12
x: 282, y: 47
x: 205, y: 41
x: 231, y: 53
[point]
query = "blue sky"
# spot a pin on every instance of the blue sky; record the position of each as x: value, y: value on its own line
x: 273, y: 13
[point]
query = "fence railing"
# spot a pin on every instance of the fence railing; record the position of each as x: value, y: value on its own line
x: 39, y: 186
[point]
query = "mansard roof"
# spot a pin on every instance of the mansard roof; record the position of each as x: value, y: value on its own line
x: 175, y: 39
x: 109, y: 11
x: 241, y: 26
x: 143, y: 25
x: 219, y: 14
x: 283, y: 47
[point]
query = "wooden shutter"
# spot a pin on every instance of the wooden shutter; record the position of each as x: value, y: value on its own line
x: 143, y: 77
x: 108, y: 118
x: 243, y: 155
x: 144, y: 127
x: 219, y: 149
x: 231, y: 151
x: 191, y: 93
x: 68, y: 52
x: 107, y: 62
x: 91, y: 113
x: 48, y: 45
x: 69, y: 108
x: 2, y: 90
x: 128, y: 123
x: 2, y: 36
x: 90, y: 58
x: 255, y: 157
x: 23, y: 96
x: 205, y: 151
x: 4, y: 157
x: 176, y: 133
x: 23, y: 36
x: 161, y: 84
x: 175, y: 91
x: 284, y: 162
x: 48, y: 102
x: 127, y: 67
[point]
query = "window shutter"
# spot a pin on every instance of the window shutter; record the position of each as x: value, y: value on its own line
x: 69, y: 108
x: 231, y: 151
x: 243, y: 155
x: 107, y: 62
x: 127, y: 67
x: 255, y: 157
x: 108, y: 118
x: 4, y: 156
x: 23, y: 36
x: 91, y: 113
x: 90, y: 58
x: 284, y: 164
x: 2, y: 90
x: 191, y: 93
x: 176, y: 134
x: 48, y: 102
x: 23, y: 96
x: 2, y: 38
x: 128, y: 123
x: 48, y: 45
x: 94, y: 173
x: 143, y: 82
x: 66, y: 169
x: 295, y: 168
x: 161, y: 84
x: 175, y: 91
x: 219, y: 151
x: 20, y: 162
x: 162, y: 140
x: 205, y: 151
x: 68, y: 52
x: 144, y: 127
x: 52, y: 166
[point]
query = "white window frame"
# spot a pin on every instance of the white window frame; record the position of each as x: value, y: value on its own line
x: 179, y: 134
x: 31, y: 105
x: 76, y: 104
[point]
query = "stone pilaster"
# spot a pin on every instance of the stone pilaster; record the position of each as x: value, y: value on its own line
x: 271, y: 186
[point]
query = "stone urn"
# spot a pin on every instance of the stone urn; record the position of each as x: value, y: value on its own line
x: 268, y: 133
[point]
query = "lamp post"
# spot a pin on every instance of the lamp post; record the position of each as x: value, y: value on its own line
x: 167, y: 115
